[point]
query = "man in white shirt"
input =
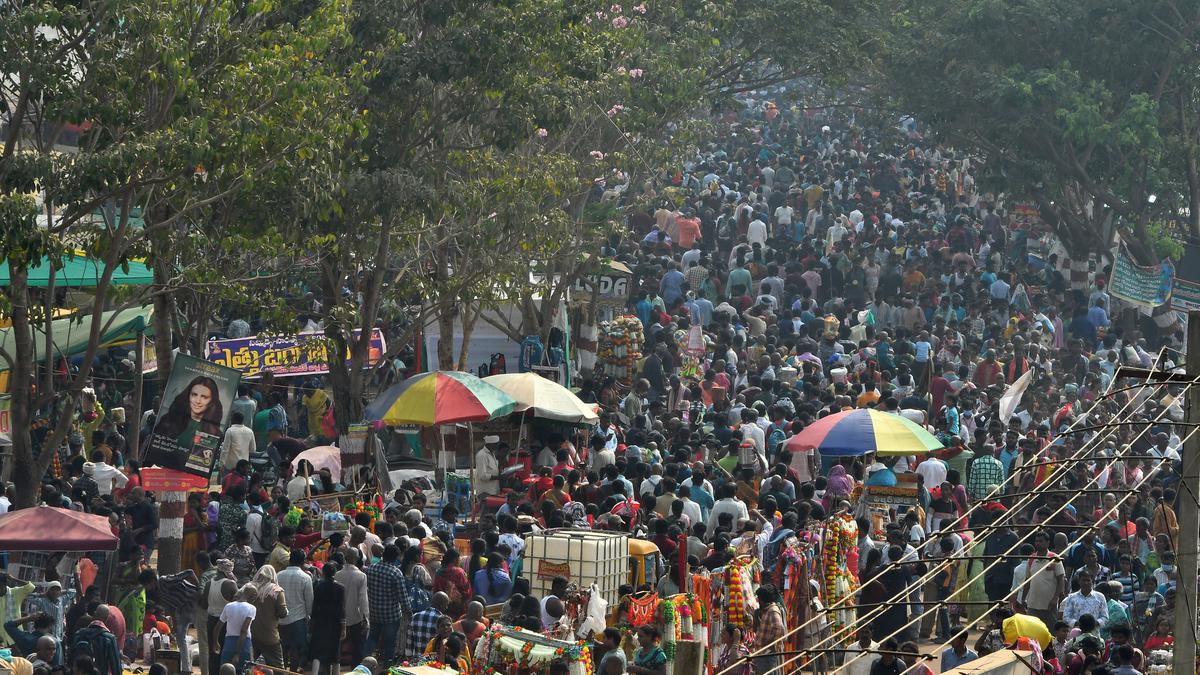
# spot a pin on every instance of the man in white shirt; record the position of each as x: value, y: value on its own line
x: 728, y: 503
x: 601, y: 456
x: 487, y: 469
x: 238, y: 442
x: 783, y: 218
x: 753, y: 432
x: 107, y: 476
x: 933, y: 470
x: 857, y: 666
x: 690, y: 508
x: 1085, y: 601
x: 298, y: 594
x: 756, y: 233
x: 254, y: 521
x: 650, y: 483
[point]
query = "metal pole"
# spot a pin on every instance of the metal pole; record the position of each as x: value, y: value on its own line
x: 1189, y: 519
x: 135, y: 415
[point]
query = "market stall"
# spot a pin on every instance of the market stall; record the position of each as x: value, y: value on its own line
x: 514, y: 651
x: 437, y: 398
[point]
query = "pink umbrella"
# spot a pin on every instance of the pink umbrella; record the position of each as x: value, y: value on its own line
x: 321, y: 457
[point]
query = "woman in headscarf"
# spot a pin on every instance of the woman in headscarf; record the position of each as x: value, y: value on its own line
x: 575, y: 515
x: 270, y: 606
x: 839, y: 487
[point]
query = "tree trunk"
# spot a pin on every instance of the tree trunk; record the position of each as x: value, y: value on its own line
x: 164, y: 307
x: 469, y: 319
x: 24, y: 475
x: 1193, y: 180
x: 445, y: 350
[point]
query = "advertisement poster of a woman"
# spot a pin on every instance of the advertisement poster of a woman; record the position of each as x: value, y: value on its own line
x: 194, y: 413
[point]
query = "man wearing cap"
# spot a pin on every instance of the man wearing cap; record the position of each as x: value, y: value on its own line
x: 54, y: 604
x: 487, y: 469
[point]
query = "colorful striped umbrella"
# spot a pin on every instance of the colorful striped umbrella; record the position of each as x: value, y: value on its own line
x: 858, y: 432
x: 440, y: 397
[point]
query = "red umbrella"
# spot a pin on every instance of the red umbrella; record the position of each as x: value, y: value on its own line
x: 45, y: 528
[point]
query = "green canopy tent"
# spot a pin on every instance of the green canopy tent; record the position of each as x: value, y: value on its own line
x: 77, y: 270
x: 70, y: 335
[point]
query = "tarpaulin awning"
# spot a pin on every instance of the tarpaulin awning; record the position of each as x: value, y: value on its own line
x: 81, y: 271
x: 70, y: 336
x: 45, y: 528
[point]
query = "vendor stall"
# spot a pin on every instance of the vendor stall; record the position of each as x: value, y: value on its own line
x: 513, y: 651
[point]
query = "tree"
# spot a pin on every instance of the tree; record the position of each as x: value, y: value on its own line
x: 155, y: 92
x: 1078, y: 111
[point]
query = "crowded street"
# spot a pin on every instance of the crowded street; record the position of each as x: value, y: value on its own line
x: 787, y: 386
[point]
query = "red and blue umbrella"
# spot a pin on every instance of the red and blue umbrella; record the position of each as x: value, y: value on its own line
x: 858, y: 432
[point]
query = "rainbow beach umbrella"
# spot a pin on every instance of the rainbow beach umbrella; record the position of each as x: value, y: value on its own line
x: 862, y: 431
x: 440, y: 397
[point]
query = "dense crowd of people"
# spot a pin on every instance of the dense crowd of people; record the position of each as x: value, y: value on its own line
x: 827, y: 267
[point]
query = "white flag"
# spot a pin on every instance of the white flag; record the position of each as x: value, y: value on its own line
x: 1012, y: 395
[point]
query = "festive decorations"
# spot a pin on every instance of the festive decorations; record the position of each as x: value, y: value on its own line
x: 292, y: 519
x: 643, y: 609
x: 619, y: 349
x: 528, y: 650
x: 839, y: 556
x: 364, y: 507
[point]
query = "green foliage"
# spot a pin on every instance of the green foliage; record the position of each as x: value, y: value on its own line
x: 1073, y: 99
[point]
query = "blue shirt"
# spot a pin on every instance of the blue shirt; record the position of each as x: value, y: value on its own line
x: 1006, y: 459
x: 952, y: 420
x: 883, y: 478
x: 672, y: 286
x: 922, y: 348
x: 704, y: 500
x: 494, y: 590
x: 702, y: 311
x: 643, y: 309
x: 952, y: 660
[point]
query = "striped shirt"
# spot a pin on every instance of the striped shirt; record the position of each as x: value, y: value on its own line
x: 1130, y: 584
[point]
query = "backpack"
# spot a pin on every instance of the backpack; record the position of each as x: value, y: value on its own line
x: 268, y: 531
x: 92, y: 641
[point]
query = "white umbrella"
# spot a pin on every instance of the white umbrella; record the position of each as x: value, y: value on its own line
x: 322, y: 457
x: 547, y: 398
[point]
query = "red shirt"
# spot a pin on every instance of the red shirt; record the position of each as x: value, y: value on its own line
x: 231, y: 479
x: 689, y: 231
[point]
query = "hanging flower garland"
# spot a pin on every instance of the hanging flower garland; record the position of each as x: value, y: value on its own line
x: 642, y: 610
x: 838, y: 556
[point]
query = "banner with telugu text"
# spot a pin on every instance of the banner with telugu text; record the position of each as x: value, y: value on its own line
x: 284, y: 356
x: 1186, y: 296
x: 1145, y: 286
